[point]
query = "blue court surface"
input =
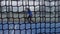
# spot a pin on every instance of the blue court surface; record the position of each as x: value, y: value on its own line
x: 27, y: 28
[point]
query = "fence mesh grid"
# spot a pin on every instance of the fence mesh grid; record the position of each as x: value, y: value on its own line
x: 46, y: 17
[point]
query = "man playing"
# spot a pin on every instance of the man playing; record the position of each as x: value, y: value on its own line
x: 29, y: 12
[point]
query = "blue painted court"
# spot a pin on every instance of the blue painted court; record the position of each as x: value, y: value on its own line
x: 27, y: 28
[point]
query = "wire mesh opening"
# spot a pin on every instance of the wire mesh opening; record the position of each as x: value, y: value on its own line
x: 45, y: 17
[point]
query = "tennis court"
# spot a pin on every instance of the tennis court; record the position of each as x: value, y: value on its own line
x: 28, y: 28
x: 45, y: 14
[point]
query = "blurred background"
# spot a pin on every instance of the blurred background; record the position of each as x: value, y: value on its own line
x: 46, y: 15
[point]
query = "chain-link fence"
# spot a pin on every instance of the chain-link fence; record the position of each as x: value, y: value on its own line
x: 45, y: 17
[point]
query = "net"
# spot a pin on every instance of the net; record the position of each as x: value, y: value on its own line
x: 45, y: 17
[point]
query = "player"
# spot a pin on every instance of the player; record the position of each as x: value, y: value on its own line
x: 29, y: 12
